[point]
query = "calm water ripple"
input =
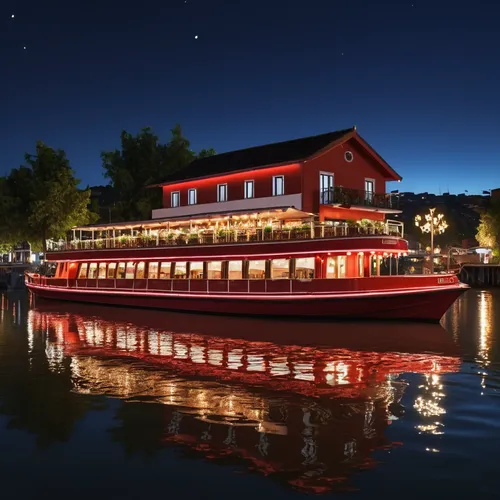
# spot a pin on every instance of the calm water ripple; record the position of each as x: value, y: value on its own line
x: 119, y: 403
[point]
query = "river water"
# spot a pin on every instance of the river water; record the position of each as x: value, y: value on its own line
x: 120, y: 403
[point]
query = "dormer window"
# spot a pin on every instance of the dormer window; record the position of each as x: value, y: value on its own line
x: 221, y: 192
x: 175, y: 199
x: 192, y: 196
x: 278, y: 185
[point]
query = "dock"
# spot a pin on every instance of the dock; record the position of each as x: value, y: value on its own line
x: 480, y: 275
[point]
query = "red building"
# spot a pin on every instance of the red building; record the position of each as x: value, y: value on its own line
x: 337, y: 175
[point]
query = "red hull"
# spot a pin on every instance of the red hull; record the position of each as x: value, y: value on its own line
x: 427, y: 304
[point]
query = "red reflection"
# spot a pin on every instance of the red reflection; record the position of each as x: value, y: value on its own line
x: 306, y: 416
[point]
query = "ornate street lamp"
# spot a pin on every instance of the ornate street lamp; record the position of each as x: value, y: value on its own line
x: 434, y: 224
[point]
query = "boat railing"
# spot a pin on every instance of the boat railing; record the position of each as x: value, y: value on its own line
x: 234, y: 235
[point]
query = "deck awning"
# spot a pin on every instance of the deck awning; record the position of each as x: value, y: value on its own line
x: 277, y: 213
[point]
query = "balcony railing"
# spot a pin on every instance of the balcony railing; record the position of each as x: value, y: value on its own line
x: 355, y: 197
x: 211, y: 237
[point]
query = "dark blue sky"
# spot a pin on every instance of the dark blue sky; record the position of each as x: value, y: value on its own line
x: 419, y: 79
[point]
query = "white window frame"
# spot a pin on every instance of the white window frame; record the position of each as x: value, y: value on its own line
x: 274, y: 184
x: 195, y: 196
x: 321, y: 189
x: 245, y: 192
x: 172, y: 194
x: 218, y: 192
x: 369, y: 195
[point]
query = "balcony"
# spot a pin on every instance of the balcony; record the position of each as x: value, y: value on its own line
x: 346, y: 197
x: 236, y: 233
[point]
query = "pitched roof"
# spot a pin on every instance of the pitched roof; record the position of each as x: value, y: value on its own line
x: 260, y: 156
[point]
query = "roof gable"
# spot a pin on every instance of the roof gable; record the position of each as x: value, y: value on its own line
x: 258, y: 157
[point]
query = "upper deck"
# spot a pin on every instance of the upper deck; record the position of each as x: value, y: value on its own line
x: 245, y: 230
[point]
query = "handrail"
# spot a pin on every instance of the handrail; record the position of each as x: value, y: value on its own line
x: 318, y: 231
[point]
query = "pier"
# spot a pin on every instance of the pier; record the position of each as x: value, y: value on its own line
x: 480, y: 275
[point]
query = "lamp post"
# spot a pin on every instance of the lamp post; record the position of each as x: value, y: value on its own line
x: 434, y: 224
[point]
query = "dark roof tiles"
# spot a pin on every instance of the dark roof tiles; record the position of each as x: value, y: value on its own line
x: 260, y: 156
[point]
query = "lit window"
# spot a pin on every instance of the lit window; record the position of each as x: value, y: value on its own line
x: 180, y: 270
x: 93, y: 271
x: 256, y: 269
x: 165, y: 270
x: 304, y: 268
x: 341, y: 266
x: 140, y: 271
x: 221, y: 192
x: 130, y: 271
x: 196, y: 270
x: 278, y: 185
x: 153, y: 270
x: 235, y: 270
x: 214, y: 270
x: 280, y: 268
x: 361, y: 265
x: 83, y: 271
x: 175, y: 199
x: 192, y: 196
x: 331, y: 267
x: 102, y: 271
x: 120, y: 271
x: 249, y: 192
x: 111, y: 270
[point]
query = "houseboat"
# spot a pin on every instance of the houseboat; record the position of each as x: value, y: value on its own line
x: 297, y: 228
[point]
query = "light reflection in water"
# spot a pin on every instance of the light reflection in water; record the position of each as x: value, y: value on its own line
x: 485, y: 326
x: 311, y: 415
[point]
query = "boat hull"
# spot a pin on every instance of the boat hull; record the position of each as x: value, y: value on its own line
x: 426, y: 304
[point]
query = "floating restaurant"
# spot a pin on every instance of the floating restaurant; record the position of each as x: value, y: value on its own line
x: 301, y: 227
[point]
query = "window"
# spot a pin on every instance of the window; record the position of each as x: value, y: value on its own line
x: 153, y: 270
x: 165, y: 270
x: 93, y: 271
x: 326, y: 189
x: 141, y: 268
x: 130, y: 271
x: 369, y: 190
x: 120, y: 271
x: 249, y: 192
x: 83, y: 271
x: 102, y: 271
x: 214, y: 270
x: 331, y: 267
x: 280, y: 268
x: 256, y: 269
x: 361, y: 265
x: 235, y: 270
x: 341, y: 266
x: 196, y: 270
x: 175, y: 199
x: 192, y: 196
x: 111, y: 270
x: 278, y: 185
x: 221, y: 192
x: 180, y: 270
x: 304, y: 268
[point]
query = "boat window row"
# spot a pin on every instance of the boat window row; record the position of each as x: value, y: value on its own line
x: 278, y: 189
x: 295, y: 268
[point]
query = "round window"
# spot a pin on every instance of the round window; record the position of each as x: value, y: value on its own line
x: 348, y: 156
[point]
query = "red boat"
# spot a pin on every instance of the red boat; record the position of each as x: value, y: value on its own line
x: 232, y: 239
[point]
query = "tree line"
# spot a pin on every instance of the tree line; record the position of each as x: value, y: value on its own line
x: 488, y: 232
x: 42, y: 199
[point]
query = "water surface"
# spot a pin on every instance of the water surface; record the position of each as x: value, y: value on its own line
x: 121, y: 403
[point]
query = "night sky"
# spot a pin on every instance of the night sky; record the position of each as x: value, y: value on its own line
x: 420, y: 81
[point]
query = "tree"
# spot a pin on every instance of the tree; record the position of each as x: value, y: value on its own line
x: 142, y: 161
x: 41, y: 200
x: 488, y: 231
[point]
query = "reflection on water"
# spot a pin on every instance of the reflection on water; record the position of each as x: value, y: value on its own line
x: 308, y: 413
